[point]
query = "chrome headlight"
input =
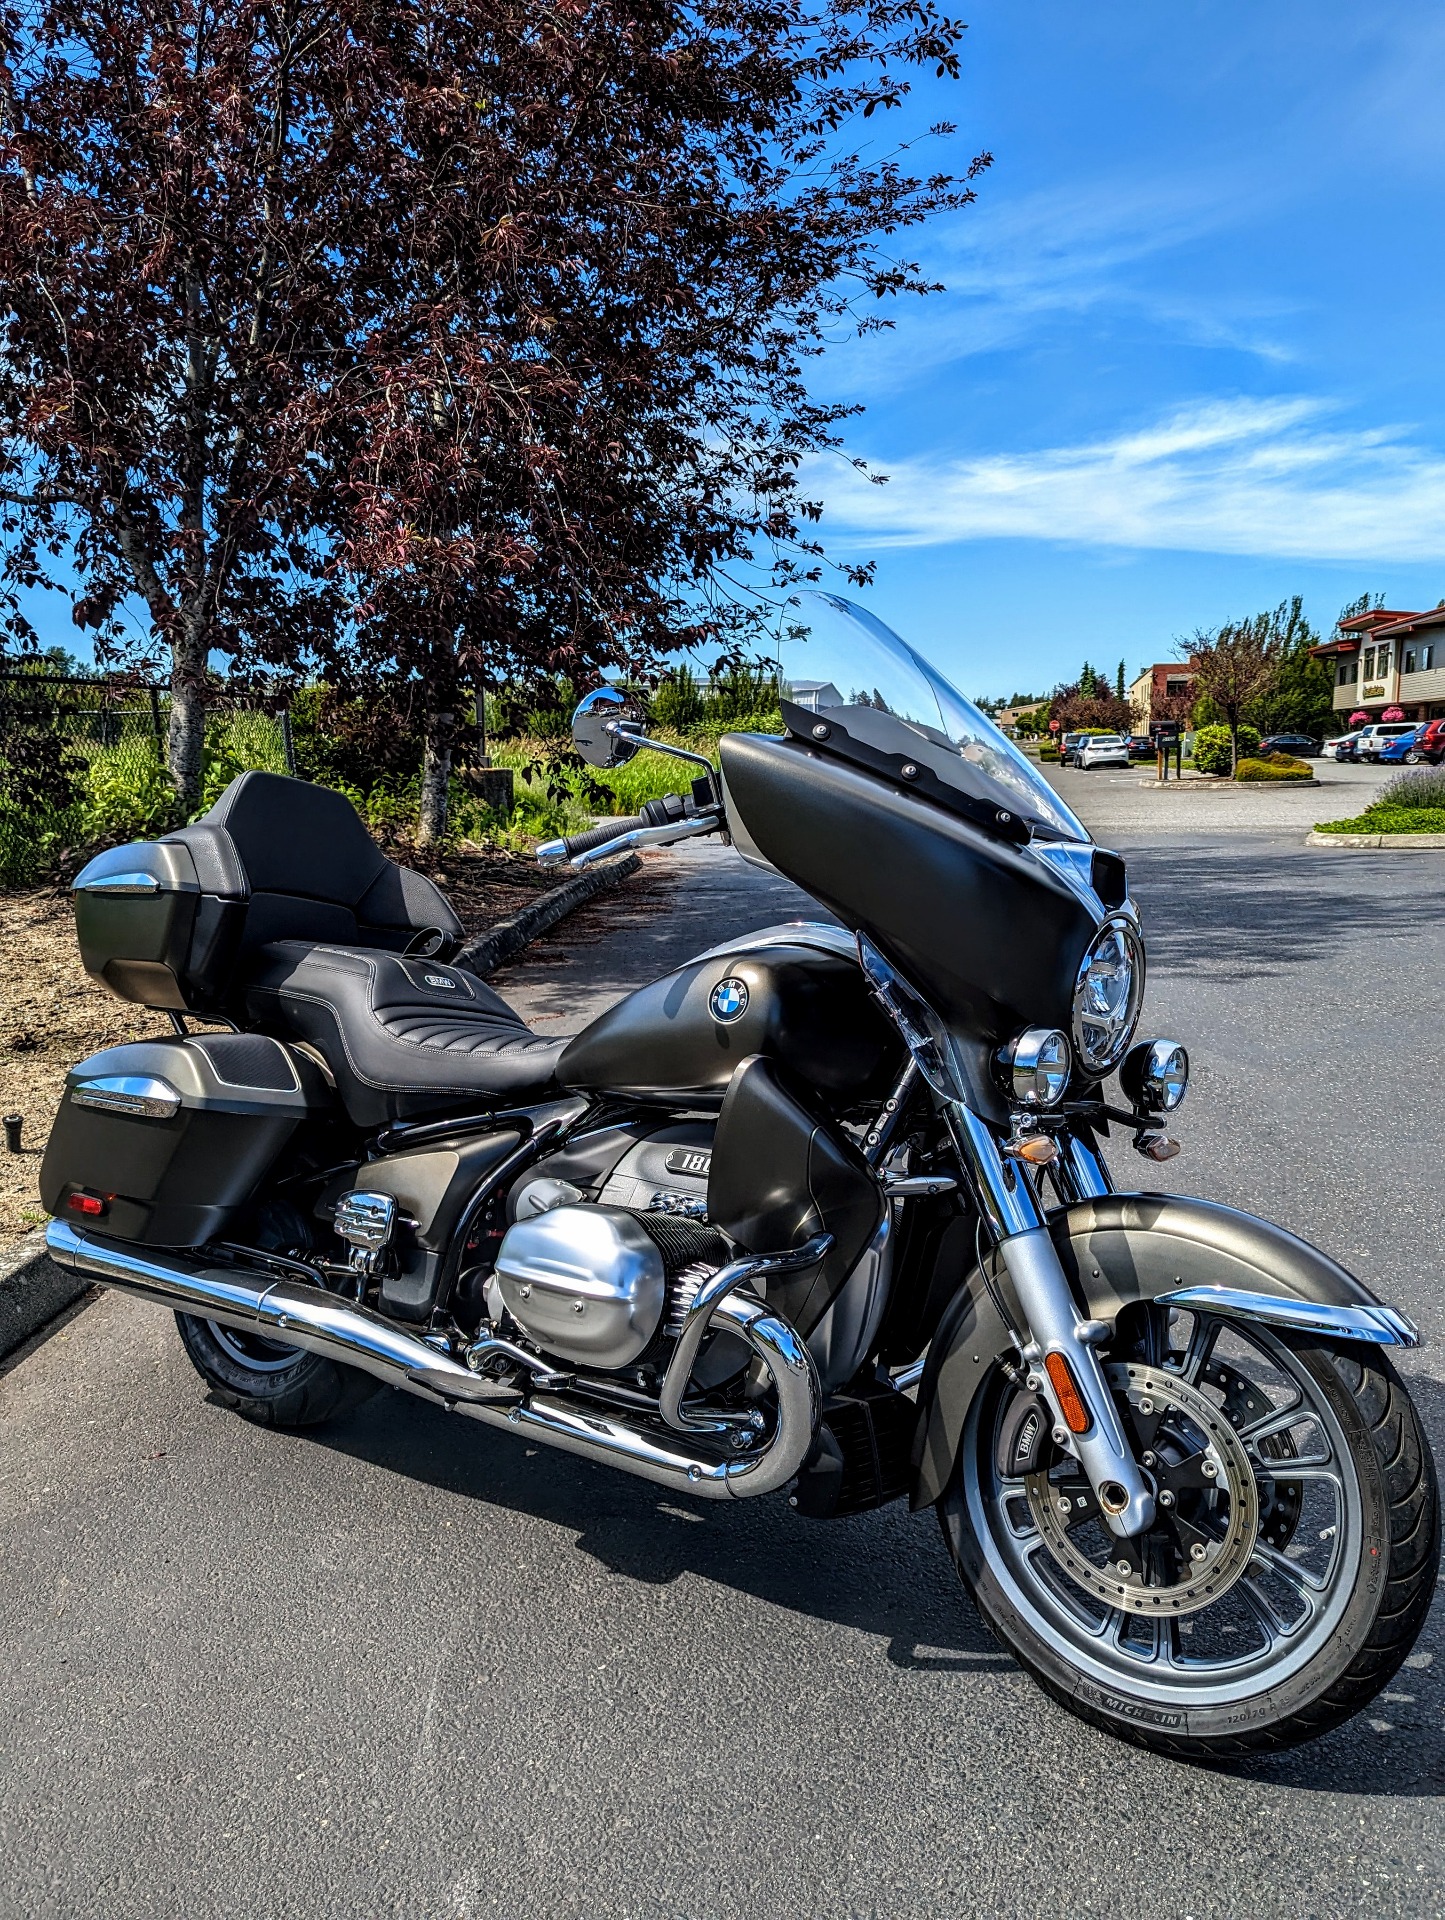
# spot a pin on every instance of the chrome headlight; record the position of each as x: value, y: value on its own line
x: 1037, y: 1066
x: 1108, y: 994
x: 1155, y: 1075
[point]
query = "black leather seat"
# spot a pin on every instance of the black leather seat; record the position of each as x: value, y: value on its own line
x: 404, y: 1037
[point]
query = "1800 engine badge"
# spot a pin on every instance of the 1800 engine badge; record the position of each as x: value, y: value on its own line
x: 728, y: 1000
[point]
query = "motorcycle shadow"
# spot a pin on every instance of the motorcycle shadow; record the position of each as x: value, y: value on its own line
x: 884, y: 1573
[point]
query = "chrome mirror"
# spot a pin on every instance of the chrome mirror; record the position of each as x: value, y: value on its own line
x: 603, y: 725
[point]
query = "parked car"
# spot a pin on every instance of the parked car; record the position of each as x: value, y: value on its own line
x: 1299, y: 744
x: 1141, y: 747
x: 1342, y: 748
x: 1378, y: 735
x: 1428, y: 748
x: 1068, y: 749
x: 1400, y: 748
x: 1103, y: 750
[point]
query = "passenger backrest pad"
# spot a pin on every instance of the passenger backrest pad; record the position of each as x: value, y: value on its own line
x: 307, y: 869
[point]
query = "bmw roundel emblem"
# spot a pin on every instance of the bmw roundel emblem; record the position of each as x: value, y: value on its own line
x: 729, y: 1000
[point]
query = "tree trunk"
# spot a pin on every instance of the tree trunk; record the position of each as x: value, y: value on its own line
x: 186, y: 742
x: 436, y: 773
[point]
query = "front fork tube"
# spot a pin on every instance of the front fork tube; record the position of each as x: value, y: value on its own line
x: 1051, y: 1322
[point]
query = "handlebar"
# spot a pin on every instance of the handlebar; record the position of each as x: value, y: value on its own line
x: 672, y: 817
x: 576, y: 843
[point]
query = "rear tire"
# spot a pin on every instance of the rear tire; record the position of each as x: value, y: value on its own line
x: 272, y: 1385
x: 1381, y: 1609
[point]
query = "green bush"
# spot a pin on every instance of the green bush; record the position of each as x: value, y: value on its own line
x: 1048, y: 753
x: 1381, y: 819
x: 128, y: 794
x: 677, y: 701
x: 1279, y: 766
x: 1211, y: 748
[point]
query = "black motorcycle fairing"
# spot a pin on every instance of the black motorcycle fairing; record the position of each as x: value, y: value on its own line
x: 780, y: 1175
x: 810, y: 1010
x: 1117, y: 1250
x: 990, y: 933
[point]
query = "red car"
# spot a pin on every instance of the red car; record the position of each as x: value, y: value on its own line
x: 1430, y: 746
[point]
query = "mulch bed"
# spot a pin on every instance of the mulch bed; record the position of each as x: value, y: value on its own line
x: 52, y: 1014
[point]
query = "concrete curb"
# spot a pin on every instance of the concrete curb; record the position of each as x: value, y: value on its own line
x: 1385, y: 842
x: 508, y: 937
x: 1207, y: 783
x: 33, y: 1290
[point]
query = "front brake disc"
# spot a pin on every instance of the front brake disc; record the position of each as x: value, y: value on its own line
x: 1208, y: 1504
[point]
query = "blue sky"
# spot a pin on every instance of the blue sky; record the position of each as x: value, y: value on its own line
x: 1189, y: 361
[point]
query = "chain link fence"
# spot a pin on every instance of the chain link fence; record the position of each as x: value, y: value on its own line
x: 82, y: 760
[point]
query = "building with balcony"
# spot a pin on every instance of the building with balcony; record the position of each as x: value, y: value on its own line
x: 1388, y: 658
x: 1164, y: 692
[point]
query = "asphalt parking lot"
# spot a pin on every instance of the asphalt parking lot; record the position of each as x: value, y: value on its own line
x: 402, y: 1666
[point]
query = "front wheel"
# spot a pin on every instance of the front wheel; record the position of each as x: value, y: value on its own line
x: 274, y: 1385
x: 1289, y: 1569
x: 1413, y: 759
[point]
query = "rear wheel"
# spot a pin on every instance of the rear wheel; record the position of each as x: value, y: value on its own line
x: 274, y: 1385
x: 1289, y: 1569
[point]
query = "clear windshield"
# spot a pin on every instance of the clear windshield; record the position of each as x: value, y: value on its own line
x: 836, y: 654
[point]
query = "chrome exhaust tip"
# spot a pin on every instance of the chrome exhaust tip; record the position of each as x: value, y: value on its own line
x: 353, y: 1336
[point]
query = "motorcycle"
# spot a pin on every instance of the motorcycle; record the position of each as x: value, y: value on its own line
x: 825, y: 1210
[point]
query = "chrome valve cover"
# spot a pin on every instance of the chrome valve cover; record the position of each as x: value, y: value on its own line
x: 586, y: 1283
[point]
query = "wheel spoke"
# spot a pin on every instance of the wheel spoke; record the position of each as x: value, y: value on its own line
x: 1277, y: 1420
x: 1291, y: 1570
x: 1267, y: 1469
x: 1202, y: 1337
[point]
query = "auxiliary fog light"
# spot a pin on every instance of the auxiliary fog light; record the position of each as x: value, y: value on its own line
x: 1037, y: 1066
x: 1155, y: 1075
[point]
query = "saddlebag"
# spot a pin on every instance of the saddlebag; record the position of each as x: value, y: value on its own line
x: 162, y: 1141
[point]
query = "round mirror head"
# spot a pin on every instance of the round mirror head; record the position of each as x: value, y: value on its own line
x: 601, y: 725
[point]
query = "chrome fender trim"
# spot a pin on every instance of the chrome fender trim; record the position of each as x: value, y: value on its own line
x: 1383, y: 1326
x: 1119, y: 1248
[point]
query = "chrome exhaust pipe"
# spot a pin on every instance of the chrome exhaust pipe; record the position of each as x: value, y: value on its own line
x: 301, y: 1316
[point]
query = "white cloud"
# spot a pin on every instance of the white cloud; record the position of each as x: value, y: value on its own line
x: 1260, y: 477
x: 1101, y: 248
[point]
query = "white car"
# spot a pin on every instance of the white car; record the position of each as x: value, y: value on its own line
x: 1331, y: 749
x: 1103, y: 750
x: 1369, y: 740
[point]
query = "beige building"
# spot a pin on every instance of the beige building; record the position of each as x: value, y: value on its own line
x: 1389, y: 659
x: 1159, y: 693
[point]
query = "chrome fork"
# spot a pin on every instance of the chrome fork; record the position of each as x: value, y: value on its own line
x: 1052, y: 1324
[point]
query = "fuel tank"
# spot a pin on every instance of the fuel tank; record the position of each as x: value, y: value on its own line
x: 679, y: 1040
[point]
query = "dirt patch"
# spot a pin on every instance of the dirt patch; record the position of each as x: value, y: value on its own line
x: 52, y: 1014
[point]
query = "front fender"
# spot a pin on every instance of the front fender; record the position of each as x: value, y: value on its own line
x: 1118, y: 1249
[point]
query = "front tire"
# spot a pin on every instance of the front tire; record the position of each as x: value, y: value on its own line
x: 273, y: 1385
x: 1305, y: 1622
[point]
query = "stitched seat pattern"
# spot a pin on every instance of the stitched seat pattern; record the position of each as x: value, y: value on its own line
x: 403, y: 1037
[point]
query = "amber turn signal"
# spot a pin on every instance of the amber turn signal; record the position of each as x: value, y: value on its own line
x: 1076, y: 1414
x: 1038, y: 1149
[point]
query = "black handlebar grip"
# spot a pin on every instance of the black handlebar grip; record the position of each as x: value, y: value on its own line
x: 576, y: 843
